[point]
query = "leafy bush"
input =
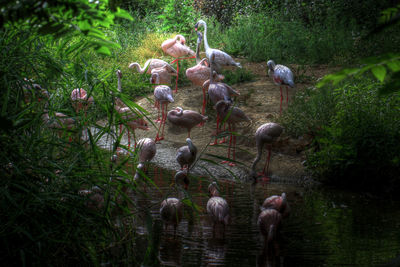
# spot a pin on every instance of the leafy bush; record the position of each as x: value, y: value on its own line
x: 356, y: 134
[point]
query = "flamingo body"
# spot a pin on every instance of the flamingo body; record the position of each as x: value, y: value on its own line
x: 171, y: 211
x: 176, y: 48
x: 265, y: 134
x: 278, y: 203
x: 150, y: 65
x: 186, y: 155
x: 269, y: 221
x: 185, y: 118
x: 217, y: 207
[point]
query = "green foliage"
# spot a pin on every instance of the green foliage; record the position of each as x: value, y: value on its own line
x: 178, y: 16
x: 356, y: 144
x: 238, y: 75
x: 65, y: 18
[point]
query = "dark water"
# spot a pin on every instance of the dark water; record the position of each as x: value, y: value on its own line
x: 325, y: 227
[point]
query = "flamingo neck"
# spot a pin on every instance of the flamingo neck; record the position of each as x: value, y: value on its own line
x: 257, y: 159
x: 119, y: 85
x: 206, y: 47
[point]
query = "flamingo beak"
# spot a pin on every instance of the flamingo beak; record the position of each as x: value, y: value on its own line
x: 195, y: 29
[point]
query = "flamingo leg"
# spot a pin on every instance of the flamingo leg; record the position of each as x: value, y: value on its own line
x: 234, y: 146
x: 216, y: 133
x: 157, y: 105
x: 159, y: 128
x: 177, y: 76
x: 266, y: 166
x: 229, y: 146
x: 164, y: 119
x: 223, y: 138
x: 287, y: 95
x: 280, y: 109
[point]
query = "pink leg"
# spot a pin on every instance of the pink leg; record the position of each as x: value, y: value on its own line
x: 159, y: 128
x: 157, y: 105
x: 234, y: 147
x: 280, y: 109
x: 216, y: 133
x: 287, y: 95
x: 223, y: 138
x: 229, y: 146
x: 266, y: 166
x: 189, y: 133
x: 177, y: 76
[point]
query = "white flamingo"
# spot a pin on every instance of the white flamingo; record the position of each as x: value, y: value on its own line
x: 281, y: 75
x: 221, y: 58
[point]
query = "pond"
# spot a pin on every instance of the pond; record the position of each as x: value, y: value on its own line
x: 326, y: 227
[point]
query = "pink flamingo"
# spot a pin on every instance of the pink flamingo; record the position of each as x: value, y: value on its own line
x: 232, y: 115
x: 281, y: 75
x: 185, y: 118
x: 221, y: 58
x: 278, y: 203
x: 266, y: 133
x: 131, y: 119
x: 147, y: 151
x: 177, y: 49
x: 171, y: 212
x: 269, y: 221
x: 81, y: 101
x: 200, y: 73
x: 186, y: 155
x: 217, y: 91
x: 217, y: 207
x: 163, y: 95
x: 152, y: 64
x: 181, y: 178
x: 160, y: 76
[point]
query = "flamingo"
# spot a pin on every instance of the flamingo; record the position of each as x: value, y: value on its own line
x: 269, y: 221
x: 186, y: 155
x: 217, y: 91
x: 278, y: 203
x: 281, y: 75
x: 177, y: 49
x: 171, y: 212
x: 163, y: 95
x: 232, y: 115
x: 181, y: 178
x: 147, y: 151
x: 217, y: 207
x: 81, y: 101
x: 132, y: 120
x: 200, y: 73
x: 221, y: 58
x: 152, y: 64
x: 185, y: 118
x: 95, y: 197
x: 266, y: 133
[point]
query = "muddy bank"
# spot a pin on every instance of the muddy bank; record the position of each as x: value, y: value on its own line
x: 260, y: 100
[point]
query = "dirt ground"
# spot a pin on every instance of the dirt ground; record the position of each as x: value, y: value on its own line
x: 260, y: 100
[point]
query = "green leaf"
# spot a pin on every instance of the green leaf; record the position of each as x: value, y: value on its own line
x: 104, y: 50
x: 84, y: 25
x: 379, y: 72
x: 394, y: 65
x: 121, y: 13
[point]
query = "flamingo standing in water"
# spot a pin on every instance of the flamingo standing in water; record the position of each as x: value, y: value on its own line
x: 217, y: 207
x: 232, y: 115
x: 147, y: 151
x: 269, y: 221
x: 152, y: 64
x: 217, y: 91
x: 177, y: 49
x: 163, y: 95
x: 185, y: 118
x: 281, y: 75
x: 221, y: 58
x: 278, y: 203
x: 200, y: 73
x: 81, y: 101
x: 171, y: 212
x: 266, y: 133
x: 182, y: 179
x: 186, y: 155
x: 132, y: 120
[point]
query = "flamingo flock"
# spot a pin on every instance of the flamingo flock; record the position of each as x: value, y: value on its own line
x: 206, y: 73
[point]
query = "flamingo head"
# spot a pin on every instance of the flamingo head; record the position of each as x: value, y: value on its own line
x: 119, y: 73
x: 181, y: 178
x: 199, y: 23
x: 271, y: 64
x: 213, y: 189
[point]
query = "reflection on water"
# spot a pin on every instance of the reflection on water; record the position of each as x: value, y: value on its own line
x: 325, y: 227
